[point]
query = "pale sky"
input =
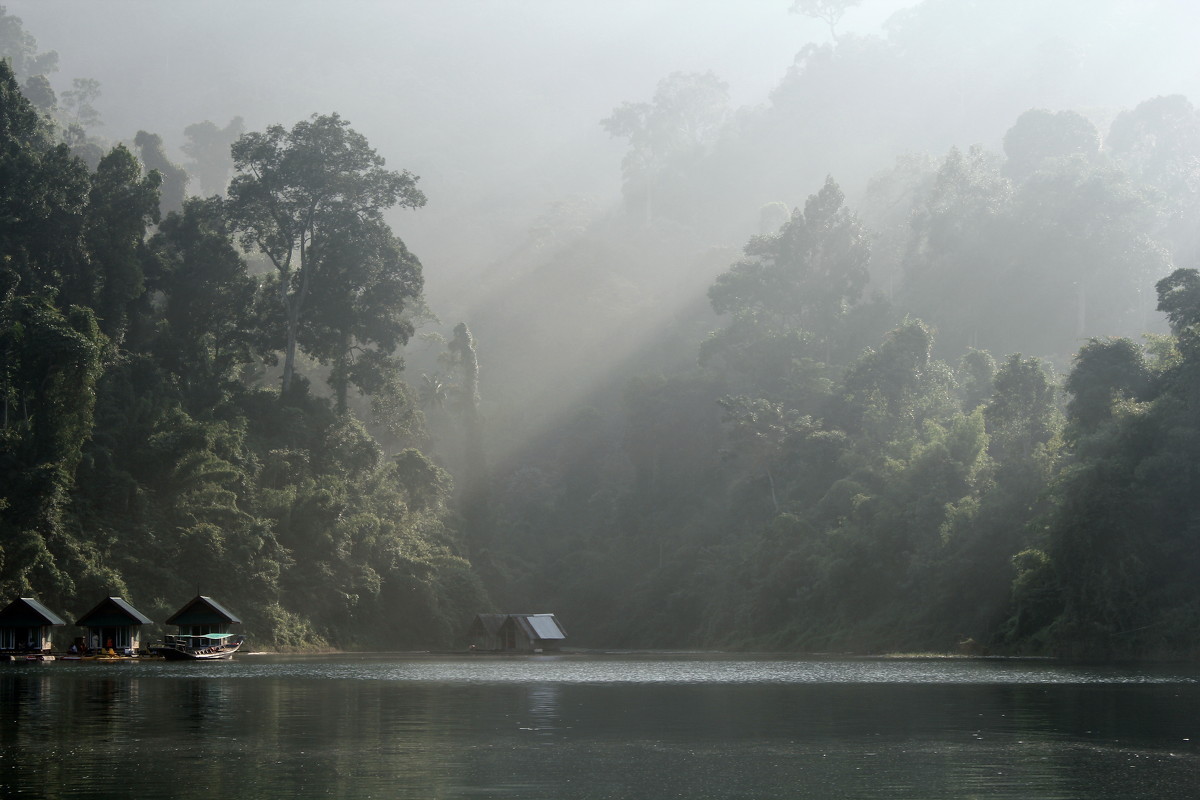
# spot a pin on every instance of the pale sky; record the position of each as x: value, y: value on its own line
x: 494, y: 103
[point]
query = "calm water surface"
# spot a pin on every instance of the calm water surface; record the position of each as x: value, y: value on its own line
x: 614, y: 726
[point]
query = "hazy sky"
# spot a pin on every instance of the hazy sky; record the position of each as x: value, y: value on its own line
x: 495, y: 103
x: 442, y: 87
x: 268, y: 58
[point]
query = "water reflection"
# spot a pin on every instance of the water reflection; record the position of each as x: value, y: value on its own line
x: 701, y: 669
x: 685, y: 726
x: 541, y: 707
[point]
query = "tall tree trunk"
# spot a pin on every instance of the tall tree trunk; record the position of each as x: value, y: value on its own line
x: 294, y: 304
x: 289, y: 354
x: 475, y: 494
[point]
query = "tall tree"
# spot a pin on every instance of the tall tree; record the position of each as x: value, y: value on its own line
x: 43, y: 195
x: 174, y: 177
x: 895, y: 387
x: 21, y: 49
x: 1023, y: 412
x: 1179, y: 299
x: 955, y: 261
x: 366, y: 279
x: 1038, y: 135
x: 79, y: 102
x: 1158, y: 144
x: 122, y: 202
x: 828, y: 11
x: 804, y: 277
x: 1086, y: 246
x: 1106, y: 370
x: 295, y: 192
x: 676, y: 127
x: 207, y: 299
x: 475, y: 496
x: 208, y: 147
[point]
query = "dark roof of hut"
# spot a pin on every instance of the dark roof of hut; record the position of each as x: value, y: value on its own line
x: 490, y: 623
x: 25, y: 612
x: 112, y: 611
x: 202, y: 610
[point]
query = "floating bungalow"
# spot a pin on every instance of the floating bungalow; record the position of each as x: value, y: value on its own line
x: 203, y: 631
x: 25, y: 628
x: 201, y: 616
x: 516, y: 633
x: 113, y: 625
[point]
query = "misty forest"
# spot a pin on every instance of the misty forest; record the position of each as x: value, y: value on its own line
x: 901, y: 354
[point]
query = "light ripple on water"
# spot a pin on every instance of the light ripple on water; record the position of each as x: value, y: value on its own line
x: 707, y: 669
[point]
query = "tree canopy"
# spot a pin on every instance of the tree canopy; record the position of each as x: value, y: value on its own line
x: 311, y: 200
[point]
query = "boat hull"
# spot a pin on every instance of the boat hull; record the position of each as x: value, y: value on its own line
x: 184, y: 653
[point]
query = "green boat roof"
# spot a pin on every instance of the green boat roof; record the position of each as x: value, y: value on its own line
x: 203, y: 635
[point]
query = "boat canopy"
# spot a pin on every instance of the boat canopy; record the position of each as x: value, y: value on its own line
x: 202, y: 635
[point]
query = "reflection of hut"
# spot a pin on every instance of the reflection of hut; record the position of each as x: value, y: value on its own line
x: 25, y: 626
x: 202, y: 616
x: 516, y: 632
x: 113, y: 624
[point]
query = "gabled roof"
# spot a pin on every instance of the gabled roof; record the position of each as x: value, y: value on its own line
x: 25, y: 612
x: 112, y: 611
x: 539, y: 626
x: 202, y: 610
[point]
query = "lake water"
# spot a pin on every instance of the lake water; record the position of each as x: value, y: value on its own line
x: 603, y: 726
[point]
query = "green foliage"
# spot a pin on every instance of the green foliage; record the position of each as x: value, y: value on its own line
x: 806, y: 275
x: 1060, y: 255
x: 51, y: 362
x: 121, y: 204
x: 174, y: 178
x: 207, y: 297
x: 1115, y: 575
x: 136, y: 461
x: 1105, y: 371
x: 975, y: 374
x: 51, y: 350
x: 311, y: 201
x: 821, y: 480
x: 1023, y: 412
x: 1179, y: 299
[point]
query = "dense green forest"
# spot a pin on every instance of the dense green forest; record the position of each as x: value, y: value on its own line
x: 960, y: 414
x: 147, y: 454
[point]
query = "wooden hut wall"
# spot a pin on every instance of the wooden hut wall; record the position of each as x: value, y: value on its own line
x: 25, y: 638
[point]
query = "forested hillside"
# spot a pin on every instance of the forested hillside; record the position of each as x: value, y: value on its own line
x: 143, y: 456
x: 830, y: 376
